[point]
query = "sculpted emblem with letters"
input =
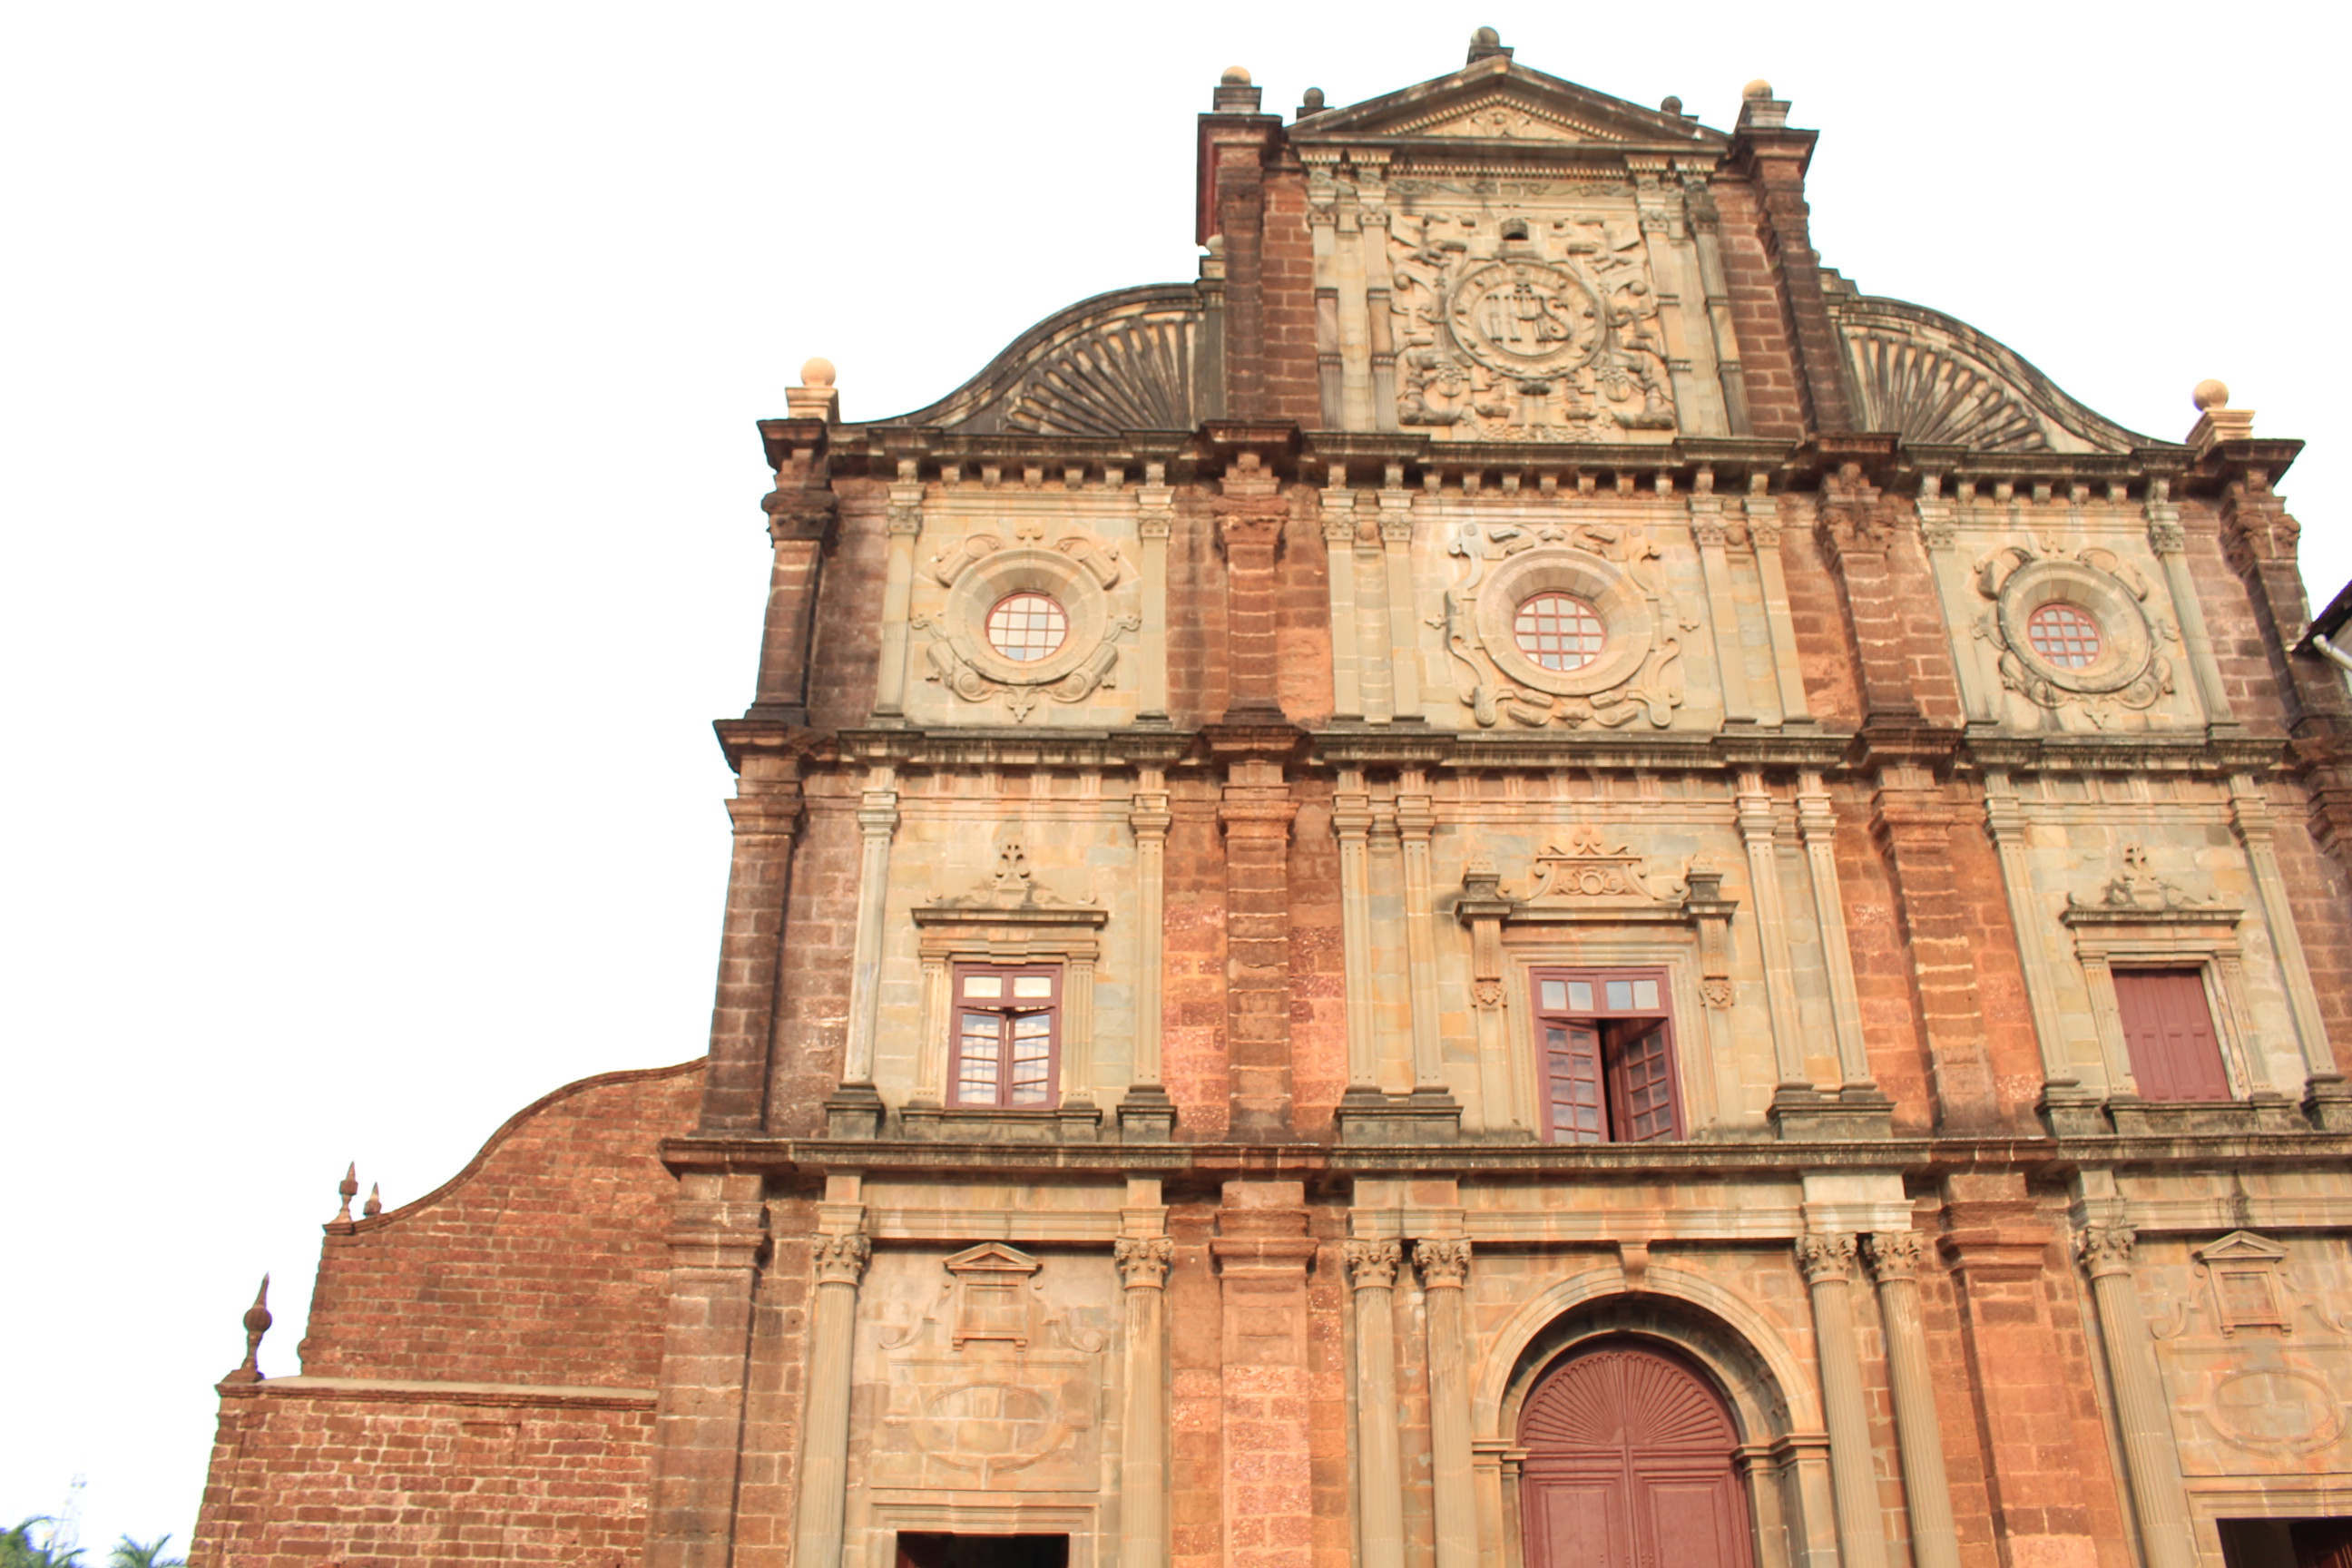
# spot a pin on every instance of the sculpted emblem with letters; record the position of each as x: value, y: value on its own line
x: 1524, y: 317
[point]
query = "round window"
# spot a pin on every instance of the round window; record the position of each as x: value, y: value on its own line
x: 1026, y: 628
x: 2065, y: 635
x: 1558, y: 632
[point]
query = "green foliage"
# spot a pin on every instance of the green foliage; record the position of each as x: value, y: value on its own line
x: 130, y: 1554
x: 17, y: 1550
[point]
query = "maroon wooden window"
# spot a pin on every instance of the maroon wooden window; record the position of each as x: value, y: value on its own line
x: 2168, y: 1029
x: 1606, y: 1041
x: 1007, y: 1050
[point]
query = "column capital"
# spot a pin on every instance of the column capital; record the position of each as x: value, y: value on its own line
x: 1827, y: 1258
x: 1897, y: 1254
x: 842, y: 1260
x: 1372, y: 1265
x: 1143, y: 1261
x: 1442, y: 1262
x: 2104, y: 1250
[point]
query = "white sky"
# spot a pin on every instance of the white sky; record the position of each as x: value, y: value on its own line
x: 378, y: 492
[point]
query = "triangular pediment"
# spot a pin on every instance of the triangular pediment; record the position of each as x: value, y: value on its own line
x: 1498, y: 100
x: 991, y: 1258
x: 2241, y: 1247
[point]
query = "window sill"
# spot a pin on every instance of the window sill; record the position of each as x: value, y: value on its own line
x: 1072, y: 1121
x: 2136, y: 1117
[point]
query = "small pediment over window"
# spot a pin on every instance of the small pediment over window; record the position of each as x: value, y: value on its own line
x: 2244, y: 1272
x: 1011, y: 895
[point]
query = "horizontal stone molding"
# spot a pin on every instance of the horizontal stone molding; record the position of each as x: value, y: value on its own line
x: 417, y: 1391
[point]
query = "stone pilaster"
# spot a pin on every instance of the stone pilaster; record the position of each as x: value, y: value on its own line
x: 1379, y: 1472
x: 855, y: 1109
x: 1340, y: 565
x: 1262, y: 1251
x: 1780, y: 621
x: 1895, y: 1259
x: 1912, y: 820
x: 1143, y: 1263
x: 1754, y: 803
x: 1404, y: 629
x: 1773, y: 158
x: 1828, y: 1262
x: 1708, y: 532
x: 1817, y: 826
x: 1255, y: 811
x: 1155, y: 516
x: 2169, y: 541
x: 801, y: 527
x: 1351, y: 822
x: 1146, y: 1112
x: 2250, y: 814
x: 841, y: 1255
x: 1444, y: 1265
x: 2143, y: 1415
x: 905, y: 524
x: 1416, y: 820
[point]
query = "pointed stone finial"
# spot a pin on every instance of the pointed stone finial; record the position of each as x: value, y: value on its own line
x: 1486, y: 44
x: 374, y: 1206
x: 814, y: 398
x: 349, y: 1188
x: 257, y: 1323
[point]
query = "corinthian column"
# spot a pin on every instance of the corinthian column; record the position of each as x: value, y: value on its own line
x: 824, y: 1439
x: 1445, y: 1273
x: 1380, y: 1474
x: 1143, y: 1466
x: 1828, y: 1263
x: 1894, y: 1259
x: 2150, y: 1458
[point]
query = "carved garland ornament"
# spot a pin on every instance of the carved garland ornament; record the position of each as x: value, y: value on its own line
x: 979, y: 571
x: 1636, y: 674
x: 2130, y: 670
x: 1548, y: 333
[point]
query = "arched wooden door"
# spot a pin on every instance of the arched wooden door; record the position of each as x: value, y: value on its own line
x: 1629, y: 1465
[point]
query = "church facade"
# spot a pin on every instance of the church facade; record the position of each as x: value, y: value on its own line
x: 1513, y: 884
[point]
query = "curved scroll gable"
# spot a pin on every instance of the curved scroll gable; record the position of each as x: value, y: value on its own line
x: 1937, y: 382
x: 1135, y: 359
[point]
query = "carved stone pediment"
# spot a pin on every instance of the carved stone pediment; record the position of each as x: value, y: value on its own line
x: 1585, y: 869
x: 1010, y: 896
x: 1498, y: 100
x: 2136, y: 895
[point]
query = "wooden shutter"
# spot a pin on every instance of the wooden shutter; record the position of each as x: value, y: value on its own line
x: 1642, y: 1083
x: 2169, y: 1032
x: 1572, y: 1055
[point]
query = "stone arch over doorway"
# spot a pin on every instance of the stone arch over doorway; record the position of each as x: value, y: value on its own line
x: 1726, y: 1353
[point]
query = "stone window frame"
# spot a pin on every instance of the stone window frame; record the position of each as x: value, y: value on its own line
x: 2129, y: 638
x: 1623, y: 605
x: 951, y: 938
x: 2203, y: 939
x: 1530, y: 951
x: 988, y: 581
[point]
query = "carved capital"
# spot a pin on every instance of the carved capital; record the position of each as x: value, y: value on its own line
x: 1828, y: 1259
x: 1897, y: 1254
x: 805, y: 515
x: 2167, y: 537
x: 2104, y: 1249
x: 1143, y: 1262
x: 842, y: 1260
x: 1442, y: 1263
x: 1372, y: 1265
x: 1708, y: 533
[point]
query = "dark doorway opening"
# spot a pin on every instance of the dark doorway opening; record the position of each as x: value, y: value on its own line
x: 932, y: 1549
x: 2286, y: 1543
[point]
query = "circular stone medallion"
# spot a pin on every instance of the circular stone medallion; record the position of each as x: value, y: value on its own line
x: 1525, y: 317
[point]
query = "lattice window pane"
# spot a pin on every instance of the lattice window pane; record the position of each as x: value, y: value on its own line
x: 1027, y: 627
x: 1560, y: 631
x: 2065, y: 635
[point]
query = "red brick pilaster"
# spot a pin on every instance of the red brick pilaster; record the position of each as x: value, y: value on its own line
x: 2048, y: 1479
x: 801, y: 526
x: 1855, y: 531
x: 1773, y: 159
x: 1913, y: 821
x: 715, y: 1240
x: 1256, y: 813
x: 1251, y: 513
x: 1196, y: 1338
x: 1262, y: 1251
x: 767, y: 814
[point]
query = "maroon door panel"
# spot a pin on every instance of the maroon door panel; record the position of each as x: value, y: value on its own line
x: 1629, y: 1465
x: 2169, y: 1032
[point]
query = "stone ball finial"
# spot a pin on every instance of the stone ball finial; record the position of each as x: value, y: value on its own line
x: 1486, y: 38
x: 1313, y: 97
x: 1759, y: 88
x: 817, y: 372
x: 1235, y: 76
x: 1670, y: 106
x: 2211, y: 394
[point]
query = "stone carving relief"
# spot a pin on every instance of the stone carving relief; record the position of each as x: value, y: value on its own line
x: 1076, y: 570
x: 1013, y: 889
x: 1528, y: 328
x: 1612, y: 567
x: 994, y: 1386
x: 2131, y: 672
x: 2135, y: 886
x: 2254, y: 1388
x: 1585, y: 869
